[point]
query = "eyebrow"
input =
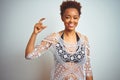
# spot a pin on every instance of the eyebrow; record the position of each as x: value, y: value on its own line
x: 73, y: 15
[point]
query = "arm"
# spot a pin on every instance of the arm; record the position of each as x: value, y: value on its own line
x: 89, y: 77
x: 88, y: 70
x: 30, y: 45
x: 37, y: 28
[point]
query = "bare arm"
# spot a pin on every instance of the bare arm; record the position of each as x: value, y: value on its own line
x: 30, y: 45
x: 37, y: 28
x: 89, y: 78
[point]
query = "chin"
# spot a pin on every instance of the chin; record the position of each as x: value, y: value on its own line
x: 71, y: 29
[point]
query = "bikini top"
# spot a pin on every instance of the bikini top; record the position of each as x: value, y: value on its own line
x: 76, y: 57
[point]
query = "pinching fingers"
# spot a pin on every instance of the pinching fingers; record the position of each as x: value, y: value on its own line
x: 40, y: 21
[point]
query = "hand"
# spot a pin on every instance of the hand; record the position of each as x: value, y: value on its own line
x: 39, y: 26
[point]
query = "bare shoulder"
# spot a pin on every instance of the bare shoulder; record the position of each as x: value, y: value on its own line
x: 83, y: 37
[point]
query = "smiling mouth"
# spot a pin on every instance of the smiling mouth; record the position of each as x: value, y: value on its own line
x: 71, y: 25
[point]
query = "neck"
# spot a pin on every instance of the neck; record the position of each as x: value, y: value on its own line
x: 69, y: 33
x: 70, y: 36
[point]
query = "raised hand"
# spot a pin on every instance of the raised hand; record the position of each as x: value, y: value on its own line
x: 39, y: 26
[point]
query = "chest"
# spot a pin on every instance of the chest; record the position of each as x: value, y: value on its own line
x: 70, y: 52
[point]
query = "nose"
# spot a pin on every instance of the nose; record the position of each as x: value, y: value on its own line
x: 71, y: 20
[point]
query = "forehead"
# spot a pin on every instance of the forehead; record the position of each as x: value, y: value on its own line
x: 71, y: 11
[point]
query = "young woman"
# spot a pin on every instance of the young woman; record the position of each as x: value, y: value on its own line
x: 70, y: 48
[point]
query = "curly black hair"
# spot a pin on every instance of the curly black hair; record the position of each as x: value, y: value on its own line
x: 70, y: 4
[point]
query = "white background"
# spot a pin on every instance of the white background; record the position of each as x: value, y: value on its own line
x: 100, y: 21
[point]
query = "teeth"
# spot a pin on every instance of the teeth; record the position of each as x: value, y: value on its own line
x: 71, y: 24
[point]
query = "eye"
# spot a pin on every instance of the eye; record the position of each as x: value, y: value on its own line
x: 75, y: 17
x: 67, y: 17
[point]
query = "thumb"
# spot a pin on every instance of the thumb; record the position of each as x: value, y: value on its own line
x: 44, y: 27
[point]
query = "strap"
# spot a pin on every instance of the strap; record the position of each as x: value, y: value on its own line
x: 77, y: 37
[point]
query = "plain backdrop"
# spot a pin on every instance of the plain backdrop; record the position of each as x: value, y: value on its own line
x: 100, y: 21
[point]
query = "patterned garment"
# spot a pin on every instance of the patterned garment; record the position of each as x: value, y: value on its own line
x: 71, y: 61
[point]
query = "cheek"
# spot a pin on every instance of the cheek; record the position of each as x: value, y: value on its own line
x: 66, y: 21
x: 76, y: 22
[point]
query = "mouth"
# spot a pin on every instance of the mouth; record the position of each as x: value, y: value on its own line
x: 71, y: 25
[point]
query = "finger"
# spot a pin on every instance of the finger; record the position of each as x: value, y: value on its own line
x: 38, y: 24
x: 37, y: 27
x: 41, y: 20
x: 41, y: 28
x: 44, y: 27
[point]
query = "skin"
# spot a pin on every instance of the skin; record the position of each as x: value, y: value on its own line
x: 37, y: 29
x: 70, y: 19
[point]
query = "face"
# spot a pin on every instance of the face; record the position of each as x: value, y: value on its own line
x: 70, y: 18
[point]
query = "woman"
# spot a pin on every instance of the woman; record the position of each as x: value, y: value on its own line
x: 70, y: 48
